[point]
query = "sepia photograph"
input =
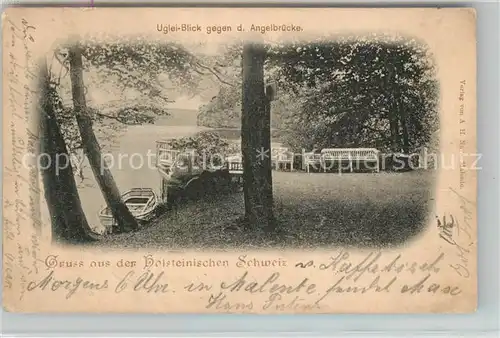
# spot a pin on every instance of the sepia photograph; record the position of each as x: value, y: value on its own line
x: 214, y: 156
x: 245, y: 145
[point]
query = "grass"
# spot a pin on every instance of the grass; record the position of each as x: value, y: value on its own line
x: 313, y: 210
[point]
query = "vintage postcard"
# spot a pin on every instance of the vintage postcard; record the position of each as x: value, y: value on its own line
x: 239, y: 160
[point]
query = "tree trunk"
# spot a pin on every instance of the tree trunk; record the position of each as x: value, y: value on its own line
x: 256, y: 141
x: 102, y: 174
x: 402, y: 120
x: 394, y: 125
x: 56, y: 205
x: 390, y: 86
x: 69, y: 224
x: 405, y: 136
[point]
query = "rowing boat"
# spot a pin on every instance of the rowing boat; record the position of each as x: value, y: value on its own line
x: 142, y: 203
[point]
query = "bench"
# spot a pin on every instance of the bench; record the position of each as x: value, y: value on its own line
x: 281, y: 155
x: 350, y: 155
x: 311, y: 159
x: 165, y: 158
x: 164, y: 154
x: 235, y: 164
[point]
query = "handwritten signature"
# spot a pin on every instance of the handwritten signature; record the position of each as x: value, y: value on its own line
x: 450, y: 231
x: 446, y: 228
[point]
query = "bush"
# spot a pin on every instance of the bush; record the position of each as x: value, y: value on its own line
x: 204, y: 144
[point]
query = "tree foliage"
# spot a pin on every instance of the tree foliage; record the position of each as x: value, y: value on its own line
x: 353, y: 89
x: 143, y: 64
x: 140, y: 72
x: 223, y: 110
x: 368, y: 91
x: 203, y: 143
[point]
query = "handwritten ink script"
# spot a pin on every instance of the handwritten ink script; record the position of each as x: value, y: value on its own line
x: 456, y: 232
x: 435, y: 271
x: 21, y: 202
x: 275, y: 290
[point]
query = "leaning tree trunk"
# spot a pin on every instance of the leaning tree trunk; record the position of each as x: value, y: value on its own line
x: 69, y: 224
x: 56, y: 205
x: 103, y: 175
x: 256, y: 140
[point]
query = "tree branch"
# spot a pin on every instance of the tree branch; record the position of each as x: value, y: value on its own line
x: 66, y: 67
x: 116, y: 118
x: 214, y: 73
x: 381, y: 134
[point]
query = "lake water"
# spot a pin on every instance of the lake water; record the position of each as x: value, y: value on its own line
x: 132, y: 163
x: 132, y: 158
